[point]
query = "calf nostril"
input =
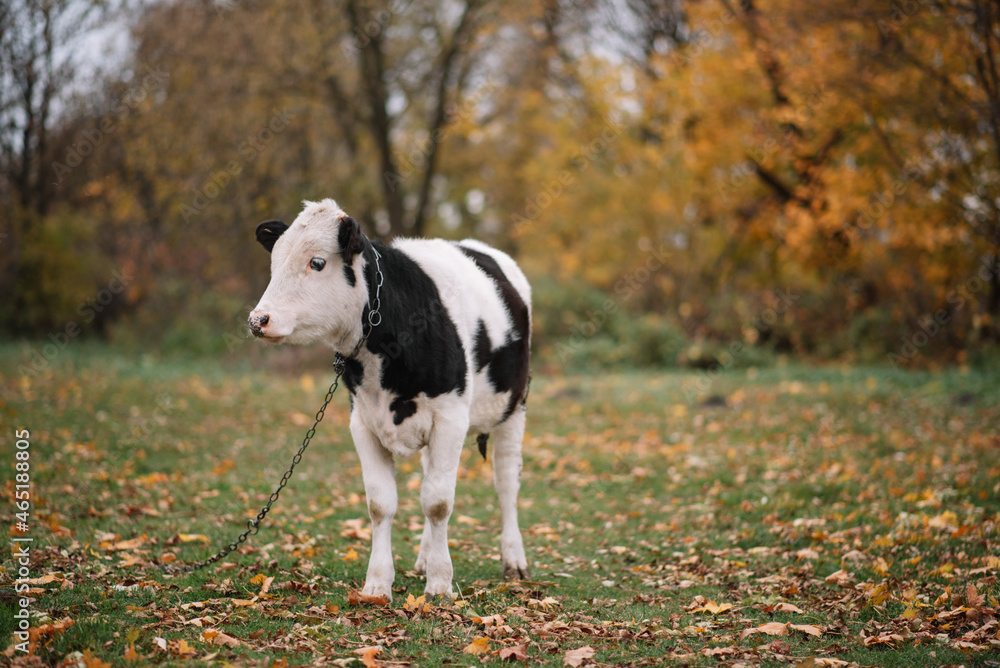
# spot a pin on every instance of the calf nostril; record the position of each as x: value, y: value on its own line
x: 257, y: 324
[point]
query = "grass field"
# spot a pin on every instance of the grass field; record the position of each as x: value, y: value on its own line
x: 804, y: 516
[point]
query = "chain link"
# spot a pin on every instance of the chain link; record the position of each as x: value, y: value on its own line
x: 339, y: 366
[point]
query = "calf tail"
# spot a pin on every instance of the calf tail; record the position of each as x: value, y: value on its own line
x: 481, y: 442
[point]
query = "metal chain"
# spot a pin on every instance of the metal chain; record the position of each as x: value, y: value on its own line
x: 374, y: 317
x: 340, y: 366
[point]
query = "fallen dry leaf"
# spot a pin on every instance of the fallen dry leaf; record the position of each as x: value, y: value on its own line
x: 840, y: 578
x: 192, y: 537
x: 771, y: 629
x: 490, y: 620
x: 973, y: 599
x: 546, y: 603
x: 418, y: 604
x: 807, y: 628
x: 265, y: 586
x: 774, y: 629
x: 355, y: 598
x: 516, y: 653
x: 713, y: 607
x: 125, y: 544
x: 225, y: 640
x: 368, y: 654
x: 91, y: 661
x: 130, y: 654
x: 477, y: 646
x: 356, y: 529
x: 185, y: 649
x: 45, y: 579
x: 578, y: 656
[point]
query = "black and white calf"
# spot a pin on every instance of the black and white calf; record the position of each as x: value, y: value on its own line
x: 449, y: 353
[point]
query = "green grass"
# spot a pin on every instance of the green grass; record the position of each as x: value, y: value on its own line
x: 636, y: 500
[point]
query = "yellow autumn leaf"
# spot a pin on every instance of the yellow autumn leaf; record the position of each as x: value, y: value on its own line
x: 132, y: 560
x: 130, y: 544
x: 418, y: 604
x: 477, y: 646
x: 352, y: 555
x: 91, y: 661
x: 192, y: 537
x: 946, y: 520
x: 130, y: 655
x: 184, y: 649
x: 713, y: 607
x: 878, y: 594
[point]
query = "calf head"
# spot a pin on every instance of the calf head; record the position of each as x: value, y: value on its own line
x: 317, y: 290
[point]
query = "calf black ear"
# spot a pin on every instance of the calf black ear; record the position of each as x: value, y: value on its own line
x: 351, y: 239
x: 268, y: 233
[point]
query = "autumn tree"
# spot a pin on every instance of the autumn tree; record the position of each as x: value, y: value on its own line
x: 36, y: 91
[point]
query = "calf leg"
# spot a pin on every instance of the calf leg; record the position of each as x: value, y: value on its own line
x: 425, y: 535
x: 507, y: 479
x: 437, y: 496
x: 379, y: 472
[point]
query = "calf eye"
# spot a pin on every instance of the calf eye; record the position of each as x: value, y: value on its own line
x: 317, y: 264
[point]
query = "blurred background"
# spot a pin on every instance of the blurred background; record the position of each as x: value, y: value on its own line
x: 697, y: 183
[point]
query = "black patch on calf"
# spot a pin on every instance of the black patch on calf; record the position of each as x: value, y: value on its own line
x: 354, y: 373
x: 417, y: 340
x: 509, y: 364
x: 350, y: 238
x: 483, y: 348
x: 351, y: 241
x: 402, y: 410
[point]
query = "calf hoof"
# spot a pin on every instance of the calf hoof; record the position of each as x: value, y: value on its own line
x: 516, y: 572
x: 439, y: 589
x: 421, y: 566
x: 374, y: 589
